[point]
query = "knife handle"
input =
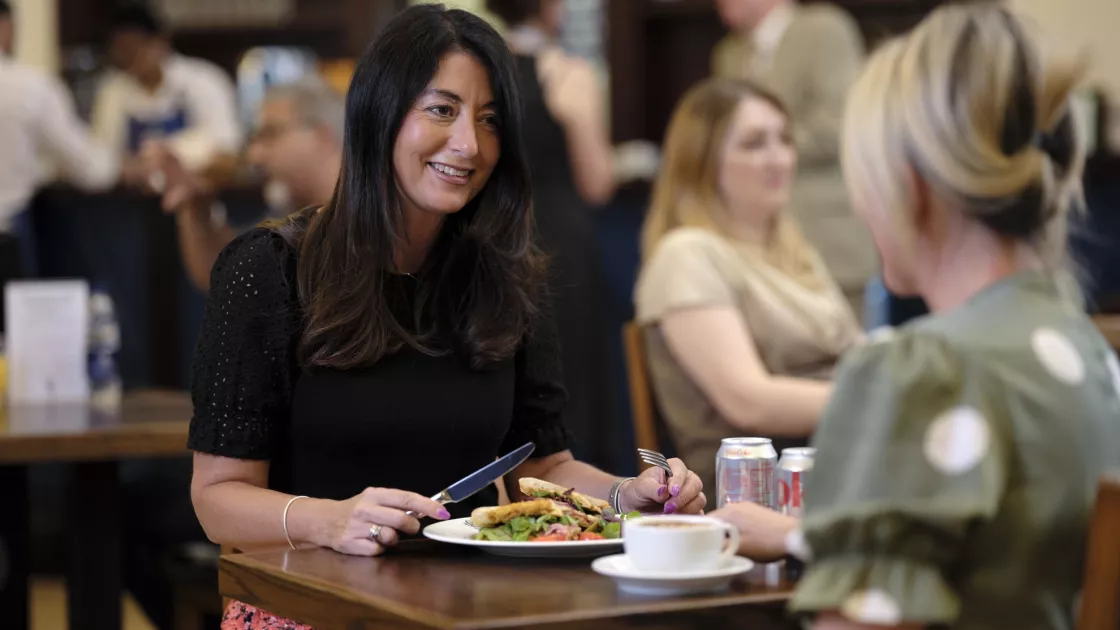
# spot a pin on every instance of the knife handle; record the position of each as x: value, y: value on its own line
x: 439, y: 497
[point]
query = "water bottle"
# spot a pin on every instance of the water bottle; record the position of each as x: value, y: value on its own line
x: 104, y: 342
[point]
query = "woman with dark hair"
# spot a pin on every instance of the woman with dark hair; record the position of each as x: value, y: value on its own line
x: 572, y: 168
x: 398, y: 336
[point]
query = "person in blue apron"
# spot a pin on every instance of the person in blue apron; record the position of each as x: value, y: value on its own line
x: 155, y: 93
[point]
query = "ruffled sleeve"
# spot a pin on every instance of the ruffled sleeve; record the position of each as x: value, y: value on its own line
x: 911, y: 455
x: 540, y: 395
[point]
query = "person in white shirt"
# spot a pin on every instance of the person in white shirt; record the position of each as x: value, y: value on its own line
x: 40, y: 136
x: 155, y: 93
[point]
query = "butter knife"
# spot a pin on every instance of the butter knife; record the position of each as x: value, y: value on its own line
x: 467, y: 486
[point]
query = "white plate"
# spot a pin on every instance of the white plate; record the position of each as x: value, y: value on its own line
x: 634, y: 581
x: 460, y: 532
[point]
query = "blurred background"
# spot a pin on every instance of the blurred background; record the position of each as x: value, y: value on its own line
x: 646, y: 53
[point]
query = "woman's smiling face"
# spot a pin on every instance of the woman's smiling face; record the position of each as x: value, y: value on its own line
x: 449, y: 141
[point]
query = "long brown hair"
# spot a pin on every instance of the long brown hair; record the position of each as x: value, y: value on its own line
x: 478, y: 293
x: 686, y: 193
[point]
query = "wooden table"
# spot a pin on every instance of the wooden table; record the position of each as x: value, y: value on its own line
x: 424, y: 585
x: 149, y: 424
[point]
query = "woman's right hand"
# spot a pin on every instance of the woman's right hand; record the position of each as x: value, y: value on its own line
x: 345, y: 526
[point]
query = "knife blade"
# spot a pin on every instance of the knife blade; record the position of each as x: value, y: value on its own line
x: 483, y: 477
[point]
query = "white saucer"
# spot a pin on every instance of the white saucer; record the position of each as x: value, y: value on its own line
x: 634, y: 581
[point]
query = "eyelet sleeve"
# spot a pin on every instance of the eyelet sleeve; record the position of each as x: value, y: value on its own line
x: 244, y: 364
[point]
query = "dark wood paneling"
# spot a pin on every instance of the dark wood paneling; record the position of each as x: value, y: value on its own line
x: 330, y: 28
x: 658, y: 49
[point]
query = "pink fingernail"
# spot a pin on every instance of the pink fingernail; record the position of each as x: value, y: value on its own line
x: 670, y: 507
x: 675, y: 491
x: 443, y: 514
x: 661, y: 491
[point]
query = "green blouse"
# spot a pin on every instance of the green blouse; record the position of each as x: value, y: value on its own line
x: 957, y: 466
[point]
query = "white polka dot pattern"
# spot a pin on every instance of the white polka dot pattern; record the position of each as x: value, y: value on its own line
x: 797, y: 546
x: 1058, y: 355
x: 882, y: 334
x: 872, y: 606
x: 957, y: 440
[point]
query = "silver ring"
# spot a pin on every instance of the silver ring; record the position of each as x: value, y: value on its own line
x: 375, y: 533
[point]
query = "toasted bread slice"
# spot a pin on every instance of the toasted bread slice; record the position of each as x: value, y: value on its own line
x: 529, y: 486
x: 494, y: 516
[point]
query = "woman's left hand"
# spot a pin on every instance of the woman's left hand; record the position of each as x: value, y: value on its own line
x: 652, y: 491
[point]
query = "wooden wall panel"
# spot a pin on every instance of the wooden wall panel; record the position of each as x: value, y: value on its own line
x: 331, y: 28
x: 658, y: 48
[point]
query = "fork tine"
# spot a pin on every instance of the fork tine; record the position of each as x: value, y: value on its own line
x: 654, y: 458
x: 660, y: 465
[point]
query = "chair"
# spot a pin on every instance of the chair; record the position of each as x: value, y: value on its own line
x: 649, y: 432
x: 1109, y: 325
x: 1100, y: 589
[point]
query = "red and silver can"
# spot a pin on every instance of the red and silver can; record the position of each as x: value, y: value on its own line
x: 793, y: 465
x: 745, y: 471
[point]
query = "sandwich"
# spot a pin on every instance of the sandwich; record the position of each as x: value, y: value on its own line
x: 551, y: 513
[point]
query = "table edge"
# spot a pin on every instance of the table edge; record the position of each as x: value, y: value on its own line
x: 438, y: 620
x: 247, y: 561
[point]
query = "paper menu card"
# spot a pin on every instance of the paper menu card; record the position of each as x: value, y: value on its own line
x: 47, y: 325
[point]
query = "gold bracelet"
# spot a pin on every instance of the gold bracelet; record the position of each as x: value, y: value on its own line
x: 285, y: 519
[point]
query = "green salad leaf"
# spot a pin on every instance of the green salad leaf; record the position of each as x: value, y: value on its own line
x: 611, y: 531
x: 520, y: 528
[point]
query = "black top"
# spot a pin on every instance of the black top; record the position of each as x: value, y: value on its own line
x: 410, y: 421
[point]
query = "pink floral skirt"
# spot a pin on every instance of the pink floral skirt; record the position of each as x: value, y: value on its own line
x: 241, y: 616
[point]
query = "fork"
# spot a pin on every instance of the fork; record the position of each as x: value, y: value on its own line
x: 653, y: 458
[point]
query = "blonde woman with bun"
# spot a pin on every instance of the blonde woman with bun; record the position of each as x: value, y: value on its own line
x: 957, y: 460
x: 743, y: 324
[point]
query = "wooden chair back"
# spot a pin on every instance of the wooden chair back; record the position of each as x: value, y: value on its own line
x: 1100, y: 588
x: 648, y: 433
x: 1109, y: 325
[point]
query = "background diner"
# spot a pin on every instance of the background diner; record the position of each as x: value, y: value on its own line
x: 139, y: 139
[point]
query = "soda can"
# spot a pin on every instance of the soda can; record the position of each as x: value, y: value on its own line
x: 745, y: 472
x: 793, y: 465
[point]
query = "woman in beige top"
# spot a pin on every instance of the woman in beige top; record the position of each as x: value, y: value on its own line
x: 743, y: 322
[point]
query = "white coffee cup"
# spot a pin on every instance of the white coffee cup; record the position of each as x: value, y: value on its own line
x: 678, y: 544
